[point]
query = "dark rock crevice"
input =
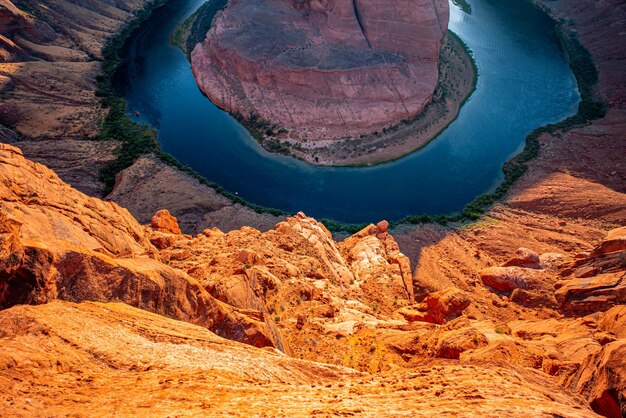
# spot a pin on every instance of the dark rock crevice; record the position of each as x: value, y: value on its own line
x: 359, y: 21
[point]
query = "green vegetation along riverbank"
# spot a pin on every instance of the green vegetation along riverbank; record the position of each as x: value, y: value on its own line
x: 138, y: 140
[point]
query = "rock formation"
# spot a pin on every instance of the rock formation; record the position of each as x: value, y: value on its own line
x: 521, y: 311
x: 294, y: 289
x: 59, y: 244
x: 323, y: 69
x: 112, y: 359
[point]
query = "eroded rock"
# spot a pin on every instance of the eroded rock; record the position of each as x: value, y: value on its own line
x: 57, y: 243
x: 323, y: 69
x: 438, y: 307
x: 524, y: 258
x: 507, y: 279
x: 602, y: 380
x: 164, y: 221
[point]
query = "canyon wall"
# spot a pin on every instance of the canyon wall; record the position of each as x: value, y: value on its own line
x: 49, y: 61
x: 530, y: 323
x: 482, y: 325
x: 323, y: 69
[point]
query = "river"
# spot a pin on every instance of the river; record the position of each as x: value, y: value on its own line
x: 524, y: 82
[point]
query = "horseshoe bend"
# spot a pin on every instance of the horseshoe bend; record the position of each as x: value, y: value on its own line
x: 323, y: 70
x: 130, y: 286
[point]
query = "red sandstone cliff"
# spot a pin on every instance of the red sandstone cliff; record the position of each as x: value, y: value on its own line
x: 530, y: 334
x: 323, y: 69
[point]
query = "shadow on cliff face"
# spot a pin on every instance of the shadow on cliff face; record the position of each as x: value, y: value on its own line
x: 608, y: 404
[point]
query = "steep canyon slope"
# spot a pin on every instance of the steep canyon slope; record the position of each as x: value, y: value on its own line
x: 49, y: 61
x: 323, y: 69
x: 48, y: 67
x: 296, y: 290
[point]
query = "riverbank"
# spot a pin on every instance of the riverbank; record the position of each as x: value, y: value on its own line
x: 137, y: 140
x: 590, y: 108
x: 472, y: 212
x: 194, y: 28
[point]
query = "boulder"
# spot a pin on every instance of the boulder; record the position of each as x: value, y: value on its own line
x: 524, y: 258
x: 164, y: 221
x: 506, y: 279
x: 438, y: 307
x: 382, y: 227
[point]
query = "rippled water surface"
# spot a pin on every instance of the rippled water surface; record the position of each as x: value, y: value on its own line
x: 524, y: 82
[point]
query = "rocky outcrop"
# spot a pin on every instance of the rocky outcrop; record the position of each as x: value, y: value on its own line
x: 376, y: 261
x: 112, y: 359
x: 60, y: 244
x: 300, y: 277
x: 593, y: 281
x: 596, y: 281
x: 293, y: 288
x: 323, y: 69
x: 164, y: 221
x: 602, y: 380
x: 592, y: 294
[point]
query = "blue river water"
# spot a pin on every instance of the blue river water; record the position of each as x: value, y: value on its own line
x: 524, y: 82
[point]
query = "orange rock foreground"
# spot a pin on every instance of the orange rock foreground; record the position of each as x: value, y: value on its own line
x: 102, y: 316
x: 101, y: 359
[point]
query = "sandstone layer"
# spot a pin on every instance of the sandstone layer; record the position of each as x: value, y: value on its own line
x: 323, y: 69
x: 134, y: 363
x: 521, y: 312
x: 559, y: 317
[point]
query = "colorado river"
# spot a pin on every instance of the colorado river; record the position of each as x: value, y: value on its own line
x: 524, y: 82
